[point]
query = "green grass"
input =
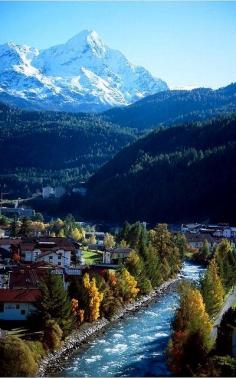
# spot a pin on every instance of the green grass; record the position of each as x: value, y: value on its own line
x: 91, y: 257
x: 234, y: 305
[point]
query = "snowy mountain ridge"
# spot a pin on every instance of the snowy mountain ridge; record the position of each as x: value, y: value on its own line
x: 81, y: 75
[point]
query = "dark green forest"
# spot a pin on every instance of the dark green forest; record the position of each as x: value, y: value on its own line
x: 54, y: 148
x: 175, y: 174
x: 175, y: 107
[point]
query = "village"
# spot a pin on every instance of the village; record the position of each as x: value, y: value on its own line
x: 37, y: 249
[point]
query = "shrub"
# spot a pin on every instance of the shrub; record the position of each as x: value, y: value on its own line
x: 16, y: 358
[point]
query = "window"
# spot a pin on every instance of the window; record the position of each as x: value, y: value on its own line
x: 17, y: 306
x: 59, y: 263
x: 50, y: 257
x: 22, y: 312
x: 1, y: 307
x: 10, y: 306
x: 59, y: 257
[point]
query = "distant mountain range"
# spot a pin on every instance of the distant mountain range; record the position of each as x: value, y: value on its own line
x: 81, y: 75
x: 175, y: 107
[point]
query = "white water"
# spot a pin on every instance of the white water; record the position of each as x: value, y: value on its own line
x: 135, y: 346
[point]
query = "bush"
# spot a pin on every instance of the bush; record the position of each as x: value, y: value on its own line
x: 52, y: 338
x: 37, y: 349
x: 16, y: 358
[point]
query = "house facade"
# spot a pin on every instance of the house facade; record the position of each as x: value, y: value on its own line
x: 116, y: 255
x: 55, y: 251
x: 17, y: 304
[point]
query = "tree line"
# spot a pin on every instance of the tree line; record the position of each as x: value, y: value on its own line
x: 192, y: 350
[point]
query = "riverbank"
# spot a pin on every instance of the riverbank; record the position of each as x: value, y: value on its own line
x: 54, y: 362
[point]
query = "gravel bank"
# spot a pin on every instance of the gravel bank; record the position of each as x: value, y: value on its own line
x: 54, y: 362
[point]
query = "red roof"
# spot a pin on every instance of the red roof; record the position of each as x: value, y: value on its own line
x: 46, y: 243
x: 19, y: 295
x: 29, y: 276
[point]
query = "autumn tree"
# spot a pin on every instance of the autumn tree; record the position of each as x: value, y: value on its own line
x: 136, y: 267
x: 109, y: 241
x: 52, y: 336
x: 191, y: 339
x: 95, y: 298
x: 77, y: 234
x: 16, y: 359
x: 127, y: 286
x: 212, y: 289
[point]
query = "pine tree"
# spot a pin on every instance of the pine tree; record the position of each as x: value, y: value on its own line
x: 212, y: 289
x: 14, y: 228
x: 55, y: 303
x: 25, y: 227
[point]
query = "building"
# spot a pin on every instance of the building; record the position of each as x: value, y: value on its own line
x: 17, y: 304
x: 47, y: 192
x: 31, y: 275
x: 190, y: 227
x: 116, y: 255
x: 21, y: 212
x: 197, y: 240
x: 59, y: 191
x: 56, y: 251
x: 2, y: 233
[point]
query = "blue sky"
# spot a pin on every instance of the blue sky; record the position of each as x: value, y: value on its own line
x: 184, y: 43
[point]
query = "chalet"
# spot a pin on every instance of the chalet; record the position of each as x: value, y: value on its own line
x: 56, y: 251
x: 116, y: 255
x: 17, y: 304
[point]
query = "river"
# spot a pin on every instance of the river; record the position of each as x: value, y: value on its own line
x: 134, y: 346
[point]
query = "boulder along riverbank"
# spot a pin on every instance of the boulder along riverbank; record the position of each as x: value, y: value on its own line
x: 55, y: 361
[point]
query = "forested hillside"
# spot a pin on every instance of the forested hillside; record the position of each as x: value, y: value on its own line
x: 175, y: 107
x: 53, y: 147
x: 175, y: 174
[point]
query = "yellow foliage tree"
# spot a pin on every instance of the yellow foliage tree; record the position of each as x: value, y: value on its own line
x: 77, y: 234
x: 127, y: 285
x: 95, y: 297
x: 109, y: 241
x: 191, y: 338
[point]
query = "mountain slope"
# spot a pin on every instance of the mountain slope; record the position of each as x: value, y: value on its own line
x: 47, y: 147
x: 176, y: 174
x: 81, y: 75
x: 175, y: 107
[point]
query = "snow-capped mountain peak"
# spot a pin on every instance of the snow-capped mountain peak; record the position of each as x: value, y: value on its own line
x: 82, y: 74
x: 88, y: 39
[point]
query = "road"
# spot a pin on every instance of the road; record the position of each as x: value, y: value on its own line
x: 228, y: 303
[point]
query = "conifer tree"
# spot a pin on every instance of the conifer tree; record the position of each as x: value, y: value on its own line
x: 55, y: 304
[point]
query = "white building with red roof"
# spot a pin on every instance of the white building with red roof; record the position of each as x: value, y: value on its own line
x: 17, y: 304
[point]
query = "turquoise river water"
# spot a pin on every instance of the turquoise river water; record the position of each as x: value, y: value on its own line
x: 134, y: 346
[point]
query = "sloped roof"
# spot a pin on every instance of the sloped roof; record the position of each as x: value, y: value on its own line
x: 19, y: 295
